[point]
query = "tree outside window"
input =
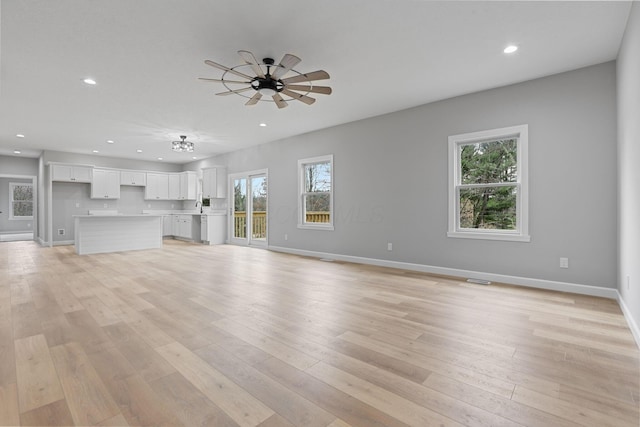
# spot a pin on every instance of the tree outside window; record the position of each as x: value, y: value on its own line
x: 488, y: 184
x: 21, y: 200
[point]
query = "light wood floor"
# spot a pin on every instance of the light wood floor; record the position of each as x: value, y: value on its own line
x: 225, y: 336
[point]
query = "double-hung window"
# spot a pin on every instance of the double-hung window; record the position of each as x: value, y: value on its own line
x: 488, y: 188
x: 21, y: 200
x: 315, y: 183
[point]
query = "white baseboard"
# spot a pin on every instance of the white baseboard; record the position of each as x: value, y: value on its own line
x: 630, y: 320
x: 64, y: 242
x: 514, y: 280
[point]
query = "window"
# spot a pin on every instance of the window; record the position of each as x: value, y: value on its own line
x: 316, y: 193
x: 488, y: 191
x: 21, y: 200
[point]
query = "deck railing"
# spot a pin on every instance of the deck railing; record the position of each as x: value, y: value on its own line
x: 260, y: 223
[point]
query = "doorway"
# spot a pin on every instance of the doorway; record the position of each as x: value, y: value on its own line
x: 248, y: 201
x: 17, y: 207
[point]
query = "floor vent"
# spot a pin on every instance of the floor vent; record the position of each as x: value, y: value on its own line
x: 326, y: 259
x: 479, y: 281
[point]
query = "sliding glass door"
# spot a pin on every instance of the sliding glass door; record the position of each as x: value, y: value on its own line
x: 248, y: 200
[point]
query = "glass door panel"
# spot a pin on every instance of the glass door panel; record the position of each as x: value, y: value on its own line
x: 258, y: 208
x: 239, y: 222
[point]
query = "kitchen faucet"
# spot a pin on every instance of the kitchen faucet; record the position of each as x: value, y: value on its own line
x: 199, y: 202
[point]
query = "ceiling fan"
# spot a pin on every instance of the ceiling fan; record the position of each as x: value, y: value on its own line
x: 268, y: 80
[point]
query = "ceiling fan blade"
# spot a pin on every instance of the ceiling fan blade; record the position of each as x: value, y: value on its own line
x: 223, y: 81
x: 235, y: 91
x: 326, y: 90
x: 251, y: 60
x: 315, y: 75
x: 286, y: 63
x: 281, y: 103
x: 222, y: 67
x: 300, y: 97
x: 254, y: 99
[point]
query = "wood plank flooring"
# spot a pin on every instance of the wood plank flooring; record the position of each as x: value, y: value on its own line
x: 199, y: 335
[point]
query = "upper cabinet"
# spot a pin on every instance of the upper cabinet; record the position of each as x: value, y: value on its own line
x: 188, y: 185
x: 70, y: 173
x: 157, y: 186
x: 133, y: 178
x: 214, y: 183
x: 105, y: 184
x: 171, y: 186
x: 174, y: 186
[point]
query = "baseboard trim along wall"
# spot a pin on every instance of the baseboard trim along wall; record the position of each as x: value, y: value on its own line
x: 635, y: 330
x: 64, y: 242
x: 514, y: 280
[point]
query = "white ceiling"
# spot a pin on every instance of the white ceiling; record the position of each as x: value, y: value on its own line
x: 382, y: 55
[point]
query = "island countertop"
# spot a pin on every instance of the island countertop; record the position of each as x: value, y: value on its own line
x: 114, y: 233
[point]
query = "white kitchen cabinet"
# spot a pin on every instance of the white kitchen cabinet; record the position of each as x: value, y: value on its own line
x: 213, y: 229
x: 105, y: 184
x: 167, y: 225
x: 188, y: 185
x: 157, y: 186
x: 214, y: 183
x: 133, y: 178
x: 71, y: 173
x: 174, y: 186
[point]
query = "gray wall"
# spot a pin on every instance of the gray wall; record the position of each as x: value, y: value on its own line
x: 13, y: 165
x: 628, y: 170
x: 391, y: 181
x: 7, y: 225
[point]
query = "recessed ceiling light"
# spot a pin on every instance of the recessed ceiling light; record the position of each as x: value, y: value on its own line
x: 16, y: 151
x: 89, y: 81
x: 194, y: 158
x: 138, y: 151
x: 510, y: 49
x: 159, y: 158
x: 109, y: 141
x: 95, y: 151
x: 263, y: 125
x: 20, y: 135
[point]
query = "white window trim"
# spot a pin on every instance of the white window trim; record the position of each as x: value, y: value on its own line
x: 11, y: 216
x: 301, y: 210
x: 521, y: 233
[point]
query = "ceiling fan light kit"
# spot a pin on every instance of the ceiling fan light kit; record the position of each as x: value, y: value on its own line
x: 270, y: 84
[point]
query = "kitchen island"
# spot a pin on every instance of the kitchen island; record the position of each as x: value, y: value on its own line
x: 114, y: 233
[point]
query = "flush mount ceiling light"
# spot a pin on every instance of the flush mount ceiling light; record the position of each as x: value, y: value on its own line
x: 182, y: 146
x: 89, y: 81
x: 270, y: 83
x: 20, y: 135
x: 510, y: 49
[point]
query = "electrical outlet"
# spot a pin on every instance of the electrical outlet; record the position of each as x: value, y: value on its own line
x: 106, y: 205
x: 564, y: 262
x: 173, y: 205
x: 77, y: 205
x: 60, y: 231
x: 286, y: 237
x: 628, y: 282
x: 389, y: 246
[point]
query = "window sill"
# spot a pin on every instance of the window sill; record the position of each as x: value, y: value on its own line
x: 489, y: 236
x: 324, y: 227
x: 20, y: 218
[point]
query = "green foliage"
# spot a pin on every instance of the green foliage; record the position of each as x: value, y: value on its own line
x: 489, y: 206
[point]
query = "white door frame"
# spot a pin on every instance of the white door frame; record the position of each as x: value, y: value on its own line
x: 246, y: 241
x: 34, y: 182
